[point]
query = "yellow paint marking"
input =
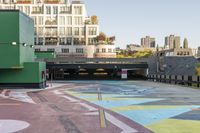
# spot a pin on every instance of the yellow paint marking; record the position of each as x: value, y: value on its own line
x: 146, y: 107
x: 175, y: 126
x: 102, y: 118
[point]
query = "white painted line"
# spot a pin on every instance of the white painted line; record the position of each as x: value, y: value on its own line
x: 70, y: 99
x: 21, y: 96
x: 92, y: 113
x: 10, y: 126
x: 90, y: 108
x: 57, y: 92
x: 124, y: 127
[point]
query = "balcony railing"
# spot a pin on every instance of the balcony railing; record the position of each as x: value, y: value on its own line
x: 52, y: 1
x: 23, y: 1
x: 49, y: 22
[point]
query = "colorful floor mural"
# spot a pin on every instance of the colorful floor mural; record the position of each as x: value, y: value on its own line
x: 146, y: 105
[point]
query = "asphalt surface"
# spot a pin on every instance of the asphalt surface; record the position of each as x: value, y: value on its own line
x: 101, y: 107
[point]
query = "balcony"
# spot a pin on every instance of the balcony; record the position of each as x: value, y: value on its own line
x: 23, y: 1
x: 51, y: 1
x: 51, y: 34
x: 51, y: 22
x: 51, y: 41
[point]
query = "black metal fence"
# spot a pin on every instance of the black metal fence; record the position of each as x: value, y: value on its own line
x: 176, y: 79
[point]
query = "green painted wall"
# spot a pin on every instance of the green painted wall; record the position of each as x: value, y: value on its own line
x: 45, y: 54
x: 17, y: 61
x: 15, y: 27
x: 9, y: 54
x: 31, y: 73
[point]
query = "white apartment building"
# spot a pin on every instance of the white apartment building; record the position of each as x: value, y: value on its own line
x: 62, y: 26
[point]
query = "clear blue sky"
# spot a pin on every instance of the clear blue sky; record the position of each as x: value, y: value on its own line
x: 129, y: 20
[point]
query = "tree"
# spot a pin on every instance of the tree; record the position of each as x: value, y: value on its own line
x: 198, y: 69
x: 185, y: 43
x: 101, y: 37
x: 94, y: 19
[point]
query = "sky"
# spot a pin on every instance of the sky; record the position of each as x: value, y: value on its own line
x: 130, y: 20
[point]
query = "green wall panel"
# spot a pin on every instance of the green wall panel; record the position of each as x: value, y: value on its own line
x: 15, y: 27
x: 45, y: 54
x: 31, y: 73
x: 9, y: 32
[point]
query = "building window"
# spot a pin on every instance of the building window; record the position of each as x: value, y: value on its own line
x: 65, y: 50
x: 55, y: 10
x: 69, y: 20
x: 40, y: 31
x: 35, y: 31
x: 48, y: 10
x: 40, y: 41
x: 110, y: 50
x: 27, y: 10
x: 37, y: 49
x: 51, y: 49
x: 20, y: 8
x: 78, y: 10
x: 76, y: 31
x: 65, y: 9
x: 62, y: 31
x: 79, y: 50
x: 103, y: 50
x: 62, y: 41
x: 40, y: 20
x: 78, y: 20
x: 35, y: 20
x: 62, y: 20
x: 82, y: 31
x: 35, y: 41
x: 69, y: 31
x: 76, y: 41
x: 69, y: 41
x: 91, y: 41
x: 97, y: 50
x: 92, y: 31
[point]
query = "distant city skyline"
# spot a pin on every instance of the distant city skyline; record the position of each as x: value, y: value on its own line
x: 130, y: 20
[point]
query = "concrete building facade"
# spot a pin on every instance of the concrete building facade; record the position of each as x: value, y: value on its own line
x: 61, y: 26
x: 172, y: 41
x: 148, y: 42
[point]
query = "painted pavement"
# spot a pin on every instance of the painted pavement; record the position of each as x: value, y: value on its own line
x: 160, y: 109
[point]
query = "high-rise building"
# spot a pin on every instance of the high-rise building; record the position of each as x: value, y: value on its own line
x: 172, y: 41
x: 148, y: 42
x: 61, y: 26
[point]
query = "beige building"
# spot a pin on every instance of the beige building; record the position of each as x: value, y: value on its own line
x: 176, y: 52
x: 148, y: 42
x: 62, y: 26
x: 172, y: 41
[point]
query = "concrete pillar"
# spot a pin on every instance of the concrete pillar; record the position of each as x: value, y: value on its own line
x: 124, y: 74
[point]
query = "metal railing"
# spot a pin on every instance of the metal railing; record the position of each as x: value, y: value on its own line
x: 176, y: 79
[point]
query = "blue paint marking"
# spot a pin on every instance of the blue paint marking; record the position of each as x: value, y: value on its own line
x: 120, y: 103
x: 147, y: 117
